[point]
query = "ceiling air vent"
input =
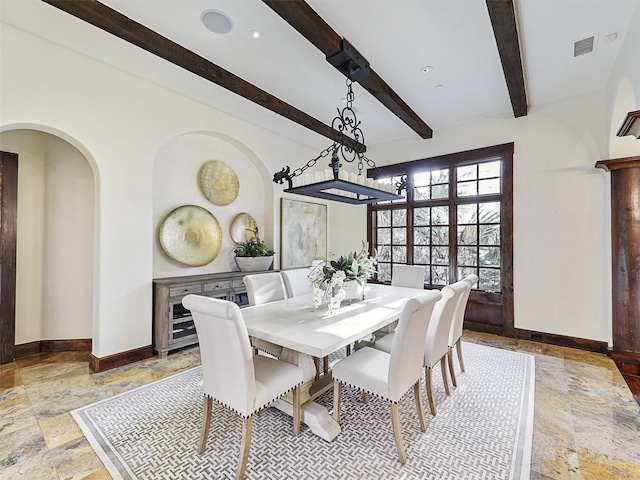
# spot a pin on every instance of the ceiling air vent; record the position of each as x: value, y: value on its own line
x: 582, y: 47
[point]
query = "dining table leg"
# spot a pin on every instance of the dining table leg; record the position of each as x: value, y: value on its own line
x: 314, y: 415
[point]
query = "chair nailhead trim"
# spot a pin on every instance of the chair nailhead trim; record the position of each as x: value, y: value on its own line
x: 257, y: 409
x: 375, y: 394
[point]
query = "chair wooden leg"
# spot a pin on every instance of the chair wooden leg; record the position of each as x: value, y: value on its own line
x: 247, y: 426
x: 365, y: 397
x: 417, y: 393
x: 316, y: 362
x: 348, y: 348
x: 451, y: 369
x: 296, y: 410
x: 445, y: 379
x: 206, y: 421
x: 459, y: 350
x: 427, y: 378
x: 325, y: 365
x: 397, y: 434
x: 336, y: 400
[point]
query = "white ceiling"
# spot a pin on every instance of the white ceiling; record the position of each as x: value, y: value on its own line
x: 397, y: 37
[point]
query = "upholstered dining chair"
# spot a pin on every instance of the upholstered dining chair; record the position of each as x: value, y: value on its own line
x: 234, y: 377
x: 411, y: 276
x: 390, y: 375
x: 455, y: 336
x: 296, y: 282
x: 265, y: 288
x: 437, y: 339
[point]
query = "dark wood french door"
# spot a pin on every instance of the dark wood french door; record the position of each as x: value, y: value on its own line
x: 8, y: 241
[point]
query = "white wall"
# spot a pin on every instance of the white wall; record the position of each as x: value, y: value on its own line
x: 623, y: 92
x: 560, y: 209
x: 176, y: 183
x: 120, y: 124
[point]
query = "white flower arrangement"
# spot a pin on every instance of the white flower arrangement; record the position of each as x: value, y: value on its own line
x: 329, y: 278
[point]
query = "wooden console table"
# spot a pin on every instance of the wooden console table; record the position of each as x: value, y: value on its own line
x: 173, y: 326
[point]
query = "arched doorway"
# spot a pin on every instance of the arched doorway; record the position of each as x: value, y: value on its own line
x: 55, y: 243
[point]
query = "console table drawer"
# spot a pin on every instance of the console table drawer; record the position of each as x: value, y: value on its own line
x: 216, y: 286
x: 184, y: 290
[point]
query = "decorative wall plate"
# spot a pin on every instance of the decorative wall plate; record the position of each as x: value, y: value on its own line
x: 191, y: 235
x: 219, y: 182
x: 243, y: 228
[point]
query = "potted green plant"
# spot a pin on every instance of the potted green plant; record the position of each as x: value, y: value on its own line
x: 253, y: 255
x: 343, y: 278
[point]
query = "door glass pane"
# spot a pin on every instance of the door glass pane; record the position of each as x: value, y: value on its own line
x: 440, y: 275
x: 440, y: 191
x: 467, y: 213
x: 465, y: 271
x: 468, y: 172
x: 421, y: 236
x: 489, y: 169
x: 421, y: 193
x: 385, y: 254
x: 468, y: 235
x: 421, y: 255
x: 399, y: 254
x: 399, y: 236
x: 489, y: 234
x: 467, y: 256
x: 490, y: 256
x: 488, y: 187
x: 440, y: 255
x: 489, y: 279
x: 421, y: 216
x: 467, y: 189
x: 384, y: 272
x: 490, y: 212
x: 440, y: 215
x: 384, y: 218
x: 384, y: 236
x: 399, y: 218
x: 440, y: 235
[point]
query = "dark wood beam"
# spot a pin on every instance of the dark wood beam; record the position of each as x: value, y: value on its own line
x: 311, y: 26
x: 503, y: 21
x: 109, y: 20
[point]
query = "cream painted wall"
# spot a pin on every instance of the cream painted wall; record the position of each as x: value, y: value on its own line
x: 68, y: 243
x: 623, y: 92
x: 560, y: 209
x: 120, y: 124
x: 176, y: 183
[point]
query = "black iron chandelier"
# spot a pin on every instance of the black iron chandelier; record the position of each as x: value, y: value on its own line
x: 348, y: 138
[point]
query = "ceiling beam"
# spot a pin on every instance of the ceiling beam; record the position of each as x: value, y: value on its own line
x: 311, y: 26
x: 503, y: 21
x: 109, y: 20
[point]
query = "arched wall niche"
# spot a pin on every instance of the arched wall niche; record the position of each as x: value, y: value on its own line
x: 175, y: 183
x: 58, y: 197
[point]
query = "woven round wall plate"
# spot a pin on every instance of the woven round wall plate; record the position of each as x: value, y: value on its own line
x: 243, y: 228
x: 219, y: 182
x: 191, y: 235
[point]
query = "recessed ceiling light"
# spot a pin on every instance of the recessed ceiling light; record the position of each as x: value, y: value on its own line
x: 216, y: 21
x: 426, y: 69
x: 254, y: 34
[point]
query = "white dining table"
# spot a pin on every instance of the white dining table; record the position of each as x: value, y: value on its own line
x: 305, y: 334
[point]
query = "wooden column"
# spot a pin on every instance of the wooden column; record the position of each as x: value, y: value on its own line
x: 625, y: 245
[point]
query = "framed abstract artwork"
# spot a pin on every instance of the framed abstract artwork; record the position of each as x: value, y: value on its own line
x: 303, y: 233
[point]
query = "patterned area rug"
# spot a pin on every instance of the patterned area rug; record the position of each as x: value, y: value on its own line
x: 482, y: 431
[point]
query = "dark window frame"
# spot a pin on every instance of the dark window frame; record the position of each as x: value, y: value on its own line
x: 495, y: 301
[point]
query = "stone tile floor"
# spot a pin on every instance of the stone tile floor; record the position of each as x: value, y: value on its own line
x: 586, y: 425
